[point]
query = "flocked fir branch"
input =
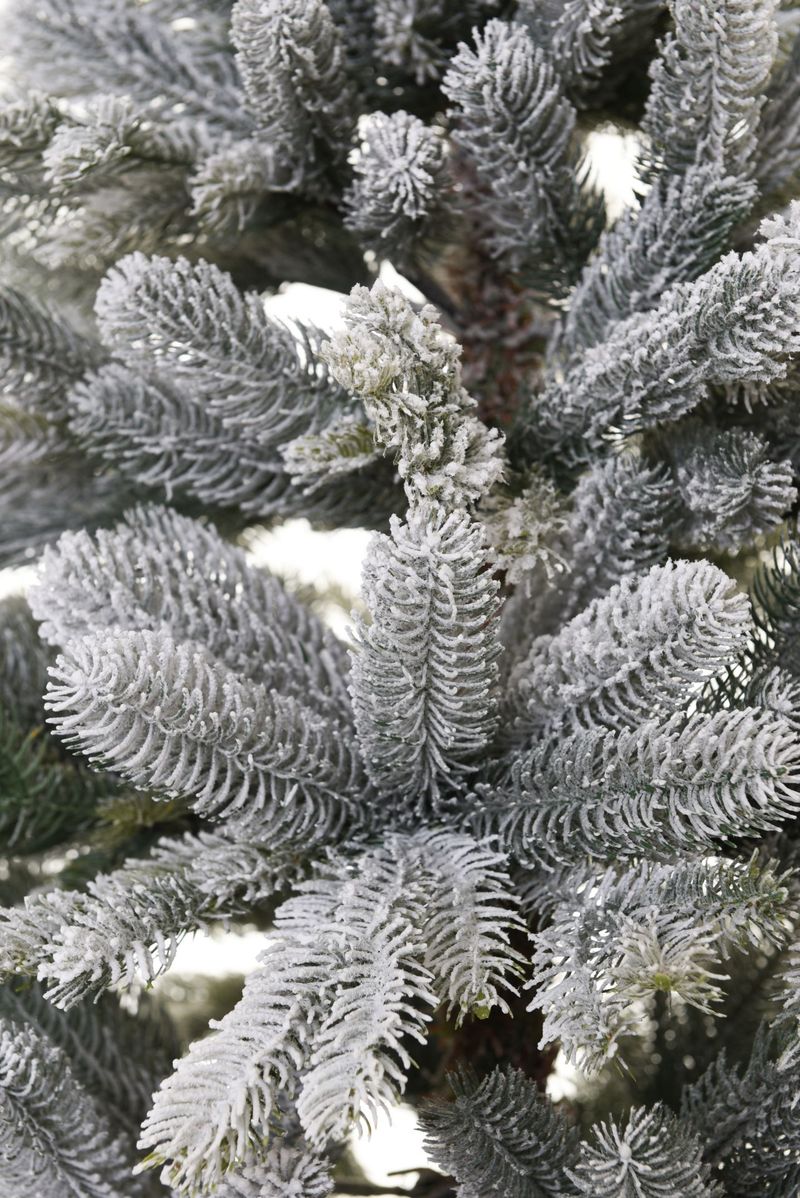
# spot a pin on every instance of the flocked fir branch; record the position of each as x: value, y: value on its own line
x: 708, y: 82
x: 542, y: 797
x: 501, y: 1132
x: 424, y: 682
x: 400, y: 183
x: 514, y: 129
x: 653, y: 1150
x: 655, y: 367
x: 405, y: 370
x: 591, y: 42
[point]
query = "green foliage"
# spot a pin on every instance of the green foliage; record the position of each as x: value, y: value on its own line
x: 153, y: 570
x: 23, y: 662
x: 160, y: 437
x: 500, y: 1135
x: 600, y: 546
x: 53, y: 1134
x: 129, y: 50
x: 776, y: 162
x: 683, y: 224
x: 44, y: 798
x: 26, y: 127
x: 40, y: 356
x: 418, y: 39
x: 111, y: 136
x: 165, y: 416
x: 525, y: 531
x: 314, y: 459
x: 776, y: 603
x: 285, y: 1172
x: 232, y: 183
x: 591, y: 42
x: 191, y: 320
x: 117, y: 1056
x: 747, y: 1118
x: 48, y: 484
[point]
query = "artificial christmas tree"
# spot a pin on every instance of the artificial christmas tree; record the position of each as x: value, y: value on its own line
x: 546, y: 797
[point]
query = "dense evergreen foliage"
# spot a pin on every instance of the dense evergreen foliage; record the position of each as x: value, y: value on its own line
x: 546, y: 797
